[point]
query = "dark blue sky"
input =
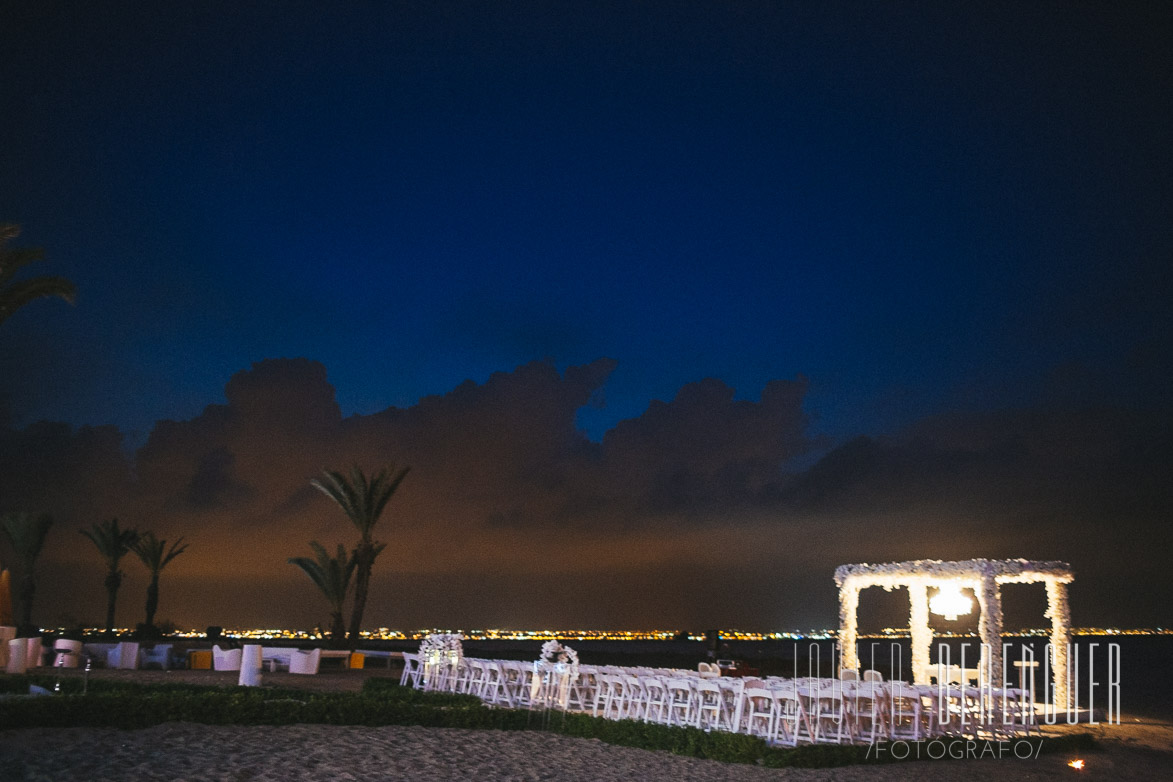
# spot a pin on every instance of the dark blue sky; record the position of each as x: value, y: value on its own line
x: 924, y: 209
x: 914, y: 208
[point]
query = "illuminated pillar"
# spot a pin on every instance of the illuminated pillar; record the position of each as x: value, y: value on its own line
x: 848, y: 624
x: 990, y: 629
x: 1059, y: 614
x: 922, y: 634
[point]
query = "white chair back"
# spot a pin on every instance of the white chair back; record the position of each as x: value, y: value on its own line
x: 304, y: 662
x: 225, y: 659
x: 33, y: 654
x: 124, y: 655
x: 18, y: 649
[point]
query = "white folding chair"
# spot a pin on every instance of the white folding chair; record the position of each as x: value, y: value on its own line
x: 1013, y: 713
x: 582, y: 689
x: 866, y: 703
x: 760, y: 712
x: 411, y: 670
x: 792, y: 721
x: 907, y: 720
x: 614, y: 696
x: 470, y: 676
x: 828, y: 712
x: 519, y: 678
x: 655, y: 700
x: 493, y: 687
x: 682, y: 700
x: 712, y: 711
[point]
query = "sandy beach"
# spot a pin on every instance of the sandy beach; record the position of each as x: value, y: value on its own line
x: 1135, y: 750
x: 188, y: 752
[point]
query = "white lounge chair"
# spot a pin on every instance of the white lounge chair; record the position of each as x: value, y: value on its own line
x: 124, y: 655
x: 305, y: 662
x: 97, y: 652
x: 159, y: 655
x: 225, y: 659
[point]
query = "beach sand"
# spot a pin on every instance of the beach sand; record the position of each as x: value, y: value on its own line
x: 1136, y: 750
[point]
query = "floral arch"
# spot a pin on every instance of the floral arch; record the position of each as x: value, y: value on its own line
x: 985, y: 577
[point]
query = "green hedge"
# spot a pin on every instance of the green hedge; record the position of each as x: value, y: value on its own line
x: 384, y: 702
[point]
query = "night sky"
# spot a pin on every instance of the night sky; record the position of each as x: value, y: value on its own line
x: 672, y: 308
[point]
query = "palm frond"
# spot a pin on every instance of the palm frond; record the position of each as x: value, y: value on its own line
x: 26, y: 532
x: 385, y: 486
x: 150, y: 550
x: 360, y: 497
x: 331, y: 575
x: 14, y: 295
x: 111, y: 540
x: 13, y: 260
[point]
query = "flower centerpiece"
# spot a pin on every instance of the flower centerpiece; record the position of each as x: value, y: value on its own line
x: 440, y: 656
x: 437, y: 648
x: 554, y: 653
x: 555, y: 672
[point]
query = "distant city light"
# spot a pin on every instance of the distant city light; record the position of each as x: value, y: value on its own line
x: 494, y: 634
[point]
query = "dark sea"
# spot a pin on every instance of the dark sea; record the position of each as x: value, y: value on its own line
x: 1145, y: 686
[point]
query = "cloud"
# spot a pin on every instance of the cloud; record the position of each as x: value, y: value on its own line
x: 696, y: 506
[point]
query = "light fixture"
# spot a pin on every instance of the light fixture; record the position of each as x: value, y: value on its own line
x: 949, y: 602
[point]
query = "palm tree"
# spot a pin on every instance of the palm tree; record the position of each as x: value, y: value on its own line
x: 113, y: 543
x: 362, y: 499
x: 26, y: 535
x: 155, y: 555
x: 332, y: 576
x: 14, y: 295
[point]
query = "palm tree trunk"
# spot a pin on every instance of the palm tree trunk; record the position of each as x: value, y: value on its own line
x: 113, y: 581
x: 152, y: 599
x: 337, y: 630
x: 28, y: 590
x: 362, y: 582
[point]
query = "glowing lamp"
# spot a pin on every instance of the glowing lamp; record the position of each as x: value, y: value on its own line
x: 950, y: 603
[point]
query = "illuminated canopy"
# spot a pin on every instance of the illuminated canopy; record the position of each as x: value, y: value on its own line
x: 984, y: 577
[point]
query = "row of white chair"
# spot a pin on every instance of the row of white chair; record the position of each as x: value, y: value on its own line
x: 782, y: 711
